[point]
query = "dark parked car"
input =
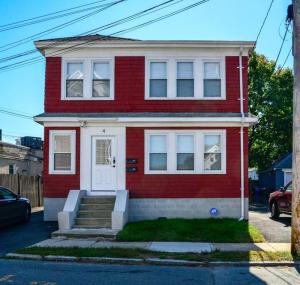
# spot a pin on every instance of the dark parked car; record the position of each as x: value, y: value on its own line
x: 13, y: 208
x: 281, y: 201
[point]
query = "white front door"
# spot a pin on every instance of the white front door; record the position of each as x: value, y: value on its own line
x: 104, y: 163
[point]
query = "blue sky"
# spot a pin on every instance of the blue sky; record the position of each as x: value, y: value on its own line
x: 23, y: 89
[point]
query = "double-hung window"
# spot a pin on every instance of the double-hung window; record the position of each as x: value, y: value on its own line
x: 74, y: 80
x: 212, y: 152
x: 62, y: 152
x: 158, y: 80
x: 185, y: 79
x: 185, y: 152
x: 158, y: 153
x: 101, y: 79
x: 212, y: 80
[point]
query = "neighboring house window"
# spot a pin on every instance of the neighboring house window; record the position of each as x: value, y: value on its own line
x: 62, y: 152
x: 185, y: 79
x: 158, y: 79
x: 212, y: 152
x: 74, y: 80
x: 11, y: 168
x: 212, y: 80
x: 101, y: 79
x: 185, y: 152
x: 158, y: 153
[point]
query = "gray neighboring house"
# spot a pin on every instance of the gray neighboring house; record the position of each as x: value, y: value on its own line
x: 20, y: 159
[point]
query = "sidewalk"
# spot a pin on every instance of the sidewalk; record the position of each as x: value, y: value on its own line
x: 196, y: 247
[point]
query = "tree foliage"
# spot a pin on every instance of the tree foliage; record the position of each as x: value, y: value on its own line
x: 271, y: 100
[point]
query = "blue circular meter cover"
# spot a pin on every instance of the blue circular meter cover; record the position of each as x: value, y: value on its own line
x: 214, y: 212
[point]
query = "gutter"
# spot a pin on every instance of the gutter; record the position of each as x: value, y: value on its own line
x: 242, y: 135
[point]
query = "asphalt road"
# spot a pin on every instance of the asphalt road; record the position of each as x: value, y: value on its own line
x: 22, y: 235
x: 273, y: 230
x: 50, y: 273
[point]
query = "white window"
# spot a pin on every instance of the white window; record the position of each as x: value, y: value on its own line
x: 158, y: 79
x: 101, y: 79
x: 185, y: 152
x: 158, y: 153
x: 62, y: 152
x: 74, y: 79
x: 212, y: 87
x: 185, y: 79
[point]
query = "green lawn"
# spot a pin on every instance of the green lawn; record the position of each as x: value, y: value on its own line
x: 139, y: 253
x: 201, y: 230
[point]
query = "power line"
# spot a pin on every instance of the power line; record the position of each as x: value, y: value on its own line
x: 15, y: 114
x: 263, y: 23
x: 283, y: 40
x: 61, y: 51
x: 43, y: 18
x: 288, y: 55
x: 152, y: 9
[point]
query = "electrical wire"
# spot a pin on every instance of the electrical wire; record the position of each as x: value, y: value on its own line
x: 283, y: 40
x: 288, y: 55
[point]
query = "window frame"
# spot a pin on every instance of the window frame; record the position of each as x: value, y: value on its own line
x: 72, y: 134
x: 194, y: 80
x: 88, y: 69
x: 172, y: 151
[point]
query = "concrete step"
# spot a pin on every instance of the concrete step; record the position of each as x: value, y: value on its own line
x: 95, y: 207
x: 94, y: 214
x: 93, y: 222
x: 98, y: 200
x: 82, y: 233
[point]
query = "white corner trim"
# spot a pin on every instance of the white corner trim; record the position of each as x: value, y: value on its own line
x: 72, y: 134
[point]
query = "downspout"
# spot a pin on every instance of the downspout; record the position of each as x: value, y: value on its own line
x: 242, y: 135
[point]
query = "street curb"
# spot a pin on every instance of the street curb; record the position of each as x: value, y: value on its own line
x: 150, y: 261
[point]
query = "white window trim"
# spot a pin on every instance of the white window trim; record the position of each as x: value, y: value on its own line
x: 72, y: 134
x: 198, y: 72
x: 87, y: 78
x: 172, y: 151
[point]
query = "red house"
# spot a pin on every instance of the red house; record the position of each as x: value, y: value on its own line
x: 144, y: 129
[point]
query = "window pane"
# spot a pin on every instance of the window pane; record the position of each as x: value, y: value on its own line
x: 74, y: 71
x: 103, y: 152
x: 158, y: 161
x: 158, y: 70
x: 184, y: 70
x: 185, y: 87
x: 185, y: 144
x: 62, y: 161
x: 101, y: 70
x: 62, y: 143
x: 212, y: 143
x: 158, y: 88
x: 185, y: 161
x: 101, y: 88
x: 158, y: 144
x: 212, y: 70
x: 74, y: 88
x: 212, y: 161
x: 212, y: 87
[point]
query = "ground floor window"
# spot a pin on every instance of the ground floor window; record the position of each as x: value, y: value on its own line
x: 185, y: 151
x: 62, y: 152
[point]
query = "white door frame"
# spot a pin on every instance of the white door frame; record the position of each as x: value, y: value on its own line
x: 86, y: 135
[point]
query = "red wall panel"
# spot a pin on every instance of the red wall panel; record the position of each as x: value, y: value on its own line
x: 130, y: 91
x: 58, y: 185
x: 185, y: 185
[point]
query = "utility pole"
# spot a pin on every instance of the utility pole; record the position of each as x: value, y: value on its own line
x: 295, y: 240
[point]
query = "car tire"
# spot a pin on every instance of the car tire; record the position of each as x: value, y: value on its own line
x: 274, y: 210
x: 27, y: 215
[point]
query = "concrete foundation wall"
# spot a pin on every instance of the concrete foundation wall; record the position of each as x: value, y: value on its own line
x: 148, y: 209
x: 51, y: 208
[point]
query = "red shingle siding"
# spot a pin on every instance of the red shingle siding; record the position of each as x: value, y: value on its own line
x: 130, y: 93
x: 57, y: 185
x: 189, y: 185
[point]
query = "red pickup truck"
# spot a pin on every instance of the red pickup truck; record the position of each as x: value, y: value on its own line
x: 280, y: 201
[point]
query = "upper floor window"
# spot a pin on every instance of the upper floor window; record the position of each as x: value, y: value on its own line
x: 74, y: 80
x: 185, y: 79
x: 212, y: 79
x: 158, y: 79
x: 87, y: 79
x: 101, y: 79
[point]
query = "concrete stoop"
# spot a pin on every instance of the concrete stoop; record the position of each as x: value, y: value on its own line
x: 95, y: 213
x: 86, y: 233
